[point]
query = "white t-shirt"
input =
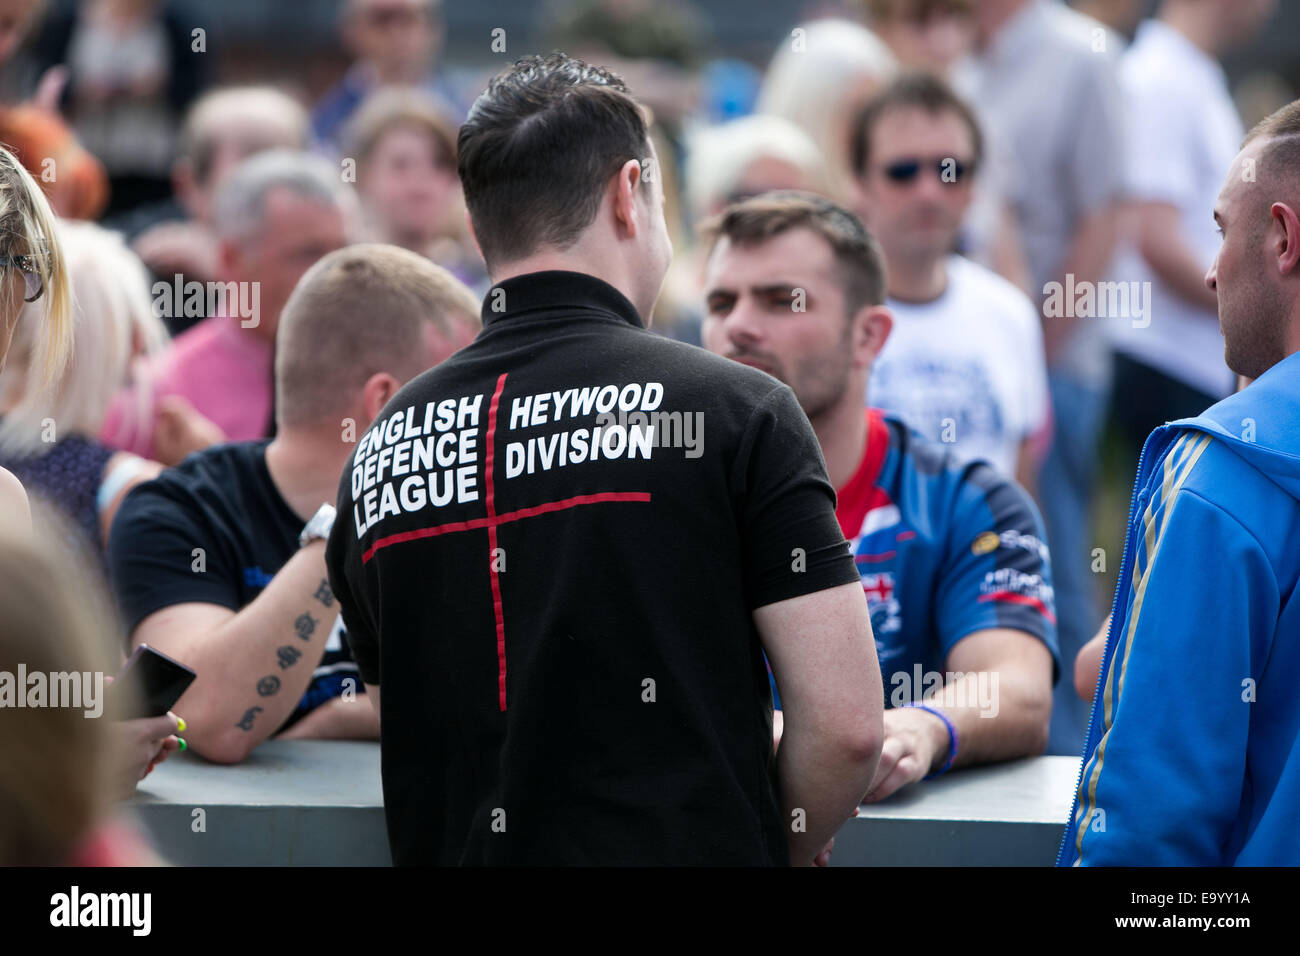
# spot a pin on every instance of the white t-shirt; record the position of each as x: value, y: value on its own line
x: 1049, y: 101
x: 1184, y: 134
x: 967, y: 369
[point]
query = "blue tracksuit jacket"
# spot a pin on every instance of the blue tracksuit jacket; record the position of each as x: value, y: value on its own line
x: 1193, y: 751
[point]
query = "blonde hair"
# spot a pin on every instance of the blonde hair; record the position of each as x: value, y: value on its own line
x: 256, y: 117
x: 55, y: 766
x: 813, y: 82
x: 719, y: 156
x: 113, y: 312
x: 27, y: 227
x: 358, y: 311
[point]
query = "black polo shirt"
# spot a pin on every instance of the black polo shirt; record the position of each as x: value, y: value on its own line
x: 548, y: 552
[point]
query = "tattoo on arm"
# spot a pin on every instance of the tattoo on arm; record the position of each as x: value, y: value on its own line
x: 305, y: 626
x: 287, y: 655
x: 324, y: 594
x: 268, y: 685
x: 245, y: 723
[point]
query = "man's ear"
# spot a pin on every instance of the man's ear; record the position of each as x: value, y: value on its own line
x: 871, y: 328
x: 627, y: 181
x: 1288, y: 248
x: 377, y: 391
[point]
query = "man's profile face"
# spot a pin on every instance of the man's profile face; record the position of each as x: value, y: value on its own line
x: 1252, y: 311
x: 752, y: 296
x: 916, y: 186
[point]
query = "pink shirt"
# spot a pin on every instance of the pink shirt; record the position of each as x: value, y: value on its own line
x: 224, y: 371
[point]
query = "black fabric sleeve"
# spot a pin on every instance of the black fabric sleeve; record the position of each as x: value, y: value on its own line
x: 161, y: 552
x: 790, y: 537
x: 340, y: 557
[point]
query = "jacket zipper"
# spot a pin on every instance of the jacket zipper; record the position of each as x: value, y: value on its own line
x: 1139, y: 481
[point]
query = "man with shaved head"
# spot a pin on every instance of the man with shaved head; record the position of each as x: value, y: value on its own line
x: 1193, y: 753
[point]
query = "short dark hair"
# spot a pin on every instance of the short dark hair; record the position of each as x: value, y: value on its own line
x: 538, y: 149
x: 916, y: 90
x: 755, y: 220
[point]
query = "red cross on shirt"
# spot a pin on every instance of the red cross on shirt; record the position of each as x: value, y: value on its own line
x: 492, y: 521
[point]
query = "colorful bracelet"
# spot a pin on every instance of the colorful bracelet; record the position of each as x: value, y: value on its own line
x: 952, y: 736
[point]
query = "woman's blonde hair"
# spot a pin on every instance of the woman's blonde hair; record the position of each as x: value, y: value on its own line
x: 27, y: 228
x: 55, y: 761
x: 113, y: 317
x: 819, y: 79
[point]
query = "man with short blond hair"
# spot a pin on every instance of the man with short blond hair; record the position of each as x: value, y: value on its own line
x: 220, y: 562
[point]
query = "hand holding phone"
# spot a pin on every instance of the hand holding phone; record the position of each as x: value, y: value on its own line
x: 149, y: 685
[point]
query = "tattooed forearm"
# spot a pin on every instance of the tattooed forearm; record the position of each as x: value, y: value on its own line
x: 245, y: 723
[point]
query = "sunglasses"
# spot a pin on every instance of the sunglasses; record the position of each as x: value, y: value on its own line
x: 31, y: 275
x: 948, y: 169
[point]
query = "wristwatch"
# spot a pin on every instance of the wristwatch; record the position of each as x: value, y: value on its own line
x: 318, y: 527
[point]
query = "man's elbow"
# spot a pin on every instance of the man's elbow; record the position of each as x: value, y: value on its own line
x: 1037, y: 722
x: 1084, y: 679
x: 224, y: 748
x: 860, y: 743
x: 865, y: 746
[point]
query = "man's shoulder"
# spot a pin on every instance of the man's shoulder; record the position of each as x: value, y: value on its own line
x: 631, y: 354
x: 188, y: 356
x: 215, y: 473
x: 1209, y: 466
x: 952, y: 484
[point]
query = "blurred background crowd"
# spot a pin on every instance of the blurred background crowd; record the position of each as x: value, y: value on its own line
x: 240, y: 141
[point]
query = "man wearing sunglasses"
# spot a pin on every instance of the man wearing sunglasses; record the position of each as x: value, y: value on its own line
x: 965, y: 363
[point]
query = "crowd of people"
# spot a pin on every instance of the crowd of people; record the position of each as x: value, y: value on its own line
x: 379, y: 413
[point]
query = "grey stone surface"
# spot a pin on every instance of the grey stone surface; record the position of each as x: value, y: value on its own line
x: 319, y: 803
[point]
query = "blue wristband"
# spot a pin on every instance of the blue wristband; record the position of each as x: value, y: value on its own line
x: 952, y: 736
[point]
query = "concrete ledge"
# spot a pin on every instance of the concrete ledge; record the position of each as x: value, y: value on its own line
x: 1008, y: 814
x: 320, y: 803
x: 292, y: 803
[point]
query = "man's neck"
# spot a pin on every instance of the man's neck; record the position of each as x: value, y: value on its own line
x: 305, y: 465
x: 1192, y: 23
x: 842, y: 433
x: 564, y: 262
x: 917, y: 281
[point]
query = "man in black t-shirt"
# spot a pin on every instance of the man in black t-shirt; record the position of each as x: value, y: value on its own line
x: 564, y: 551
x: 220, y: 561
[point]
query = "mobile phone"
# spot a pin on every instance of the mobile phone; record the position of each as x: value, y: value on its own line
x: 149, y: 684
